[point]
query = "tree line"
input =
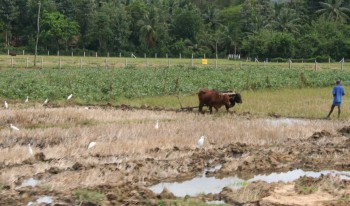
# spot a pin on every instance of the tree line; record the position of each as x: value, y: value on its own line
x: 298, y: 29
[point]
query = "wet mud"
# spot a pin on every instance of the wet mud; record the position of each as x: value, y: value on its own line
x: 126, y: 179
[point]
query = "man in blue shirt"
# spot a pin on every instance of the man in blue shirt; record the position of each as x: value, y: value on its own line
x: 338, y: 92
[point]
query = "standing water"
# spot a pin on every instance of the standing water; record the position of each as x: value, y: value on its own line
x: 206, y: 185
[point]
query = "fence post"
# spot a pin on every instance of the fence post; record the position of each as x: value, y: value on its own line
x: 180, y: 55
x: 315, y: 65
x: 72, y: 54
x: 81, y: 62
x: 107, y: 54
x: 27, y: 62
x: 192, y: 60
x: 42, y: 62
x: 329, y: 60
x: 58, y: 53
x: 290, y: 63
x: 146, y: 60
x: 12, y: 61
x: 84, y: 53
x: 23, y: 52
x: 155, y: 55
x: 120, y: 55
x: 168, y: 60
x: 342, y: 63
x: 96, y: 54
x: 8, y: 52
x: 48, y: 52
x: 216, y: 61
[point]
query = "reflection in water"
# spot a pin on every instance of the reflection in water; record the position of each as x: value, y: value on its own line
x: 214, y: 185
x: 44, y: 199
x: 216, y: 202
x: 287, y: 121
x: 41, y: 200
x: 29, y: 182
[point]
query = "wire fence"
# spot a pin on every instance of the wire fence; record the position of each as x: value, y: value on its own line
x: 69, y: 62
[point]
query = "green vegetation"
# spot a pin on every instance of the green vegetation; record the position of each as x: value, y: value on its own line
x: 102, y: 85
x: 298, y: 29
x: 84, y: 195
x: 266, y: 88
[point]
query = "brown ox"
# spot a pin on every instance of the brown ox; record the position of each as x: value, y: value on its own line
x: 216, y: 99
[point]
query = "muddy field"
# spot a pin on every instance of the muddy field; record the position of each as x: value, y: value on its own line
x: 131, y: 155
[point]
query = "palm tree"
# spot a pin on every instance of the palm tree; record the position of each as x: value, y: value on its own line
x: 287, y: 20
x: 212, y: 18
x: 334, y: 10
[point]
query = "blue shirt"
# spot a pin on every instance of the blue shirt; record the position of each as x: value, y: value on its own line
x: 338, y: 92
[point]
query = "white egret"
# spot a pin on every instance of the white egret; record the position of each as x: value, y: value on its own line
x: 46, y: 101
x: 91, y: 145
x: 6, y: 105
x: 27, y: 99
x: 30, y: 150
x: 69, y: 97
x: 157, y: 125
x: 201, y: 142
x: 13, y: 127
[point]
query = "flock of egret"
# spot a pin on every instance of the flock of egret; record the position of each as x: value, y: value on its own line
x: 14, y: 128
x: 91, y: 145
x: 6, y: 105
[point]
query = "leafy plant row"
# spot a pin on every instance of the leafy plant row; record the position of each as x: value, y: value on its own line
x: 94, y: 85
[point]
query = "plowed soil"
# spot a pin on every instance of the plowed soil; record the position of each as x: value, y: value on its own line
x: 125, y: 162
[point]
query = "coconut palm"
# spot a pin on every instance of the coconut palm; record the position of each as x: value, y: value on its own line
x: 212, y: 18
x: 334, y: 10
x: 287, y: 20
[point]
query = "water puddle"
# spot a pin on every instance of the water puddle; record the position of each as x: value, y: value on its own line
x: 286, y: 121
x: 41, y: 200
x: 29, y: 182
x: 206, y: 185
x: 216, y: 202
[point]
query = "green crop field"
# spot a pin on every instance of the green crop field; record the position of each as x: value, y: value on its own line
x: 161, y: 85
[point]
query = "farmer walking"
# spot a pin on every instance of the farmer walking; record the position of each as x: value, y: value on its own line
x: 338, y: 92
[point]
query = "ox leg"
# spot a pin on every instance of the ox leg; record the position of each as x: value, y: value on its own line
x: 227, y: 108
x: 200, y: 108
x: 216, y: 109
x: 210, y: 109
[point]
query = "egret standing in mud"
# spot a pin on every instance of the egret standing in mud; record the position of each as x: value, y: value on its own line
x: 91, y: 145
x: 46, y: 101
x: 201, y: 142
x: 30, y: 150
x: 13, y: 127
x: 157, y: 125
x: 69, y: 97
x: 6, y: 105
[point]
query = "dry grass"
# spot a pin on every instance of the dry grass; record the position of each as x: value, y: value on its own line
x: 62, y: 132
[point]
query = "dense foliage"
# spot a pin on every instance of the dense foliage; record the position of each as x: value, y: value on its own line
x: 96, y: 85
x: 252, y: 28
